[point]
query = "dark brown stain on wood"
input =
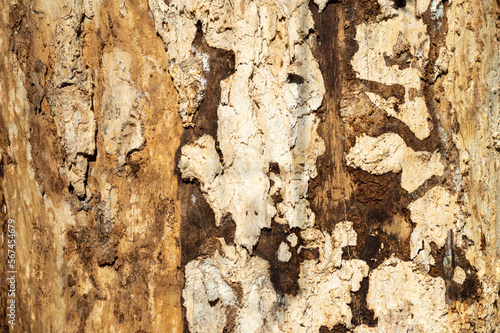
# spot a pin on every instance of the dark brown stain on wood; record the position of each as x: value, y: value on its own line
x: 284, y: 275
x: 329, y: 190
x: 199, y: 233
x: 339, y: 193
x: 360, y: 312
x: 198, y: 220
x: 339, y: 328
x: 447, y: 259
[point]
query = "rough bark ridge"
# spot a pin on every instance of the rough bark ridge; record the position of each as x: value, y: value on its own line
x: 251, y: 165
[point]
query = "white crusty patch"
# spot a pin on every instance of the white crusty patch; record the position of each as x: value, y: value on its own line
x: 292, y: 238
x: 331, y: 245
x: 459, y: 275
x: 434, y: 215
x: 284, y: 253
x: 122, y: 104
x: 211, y: 280
x: 388, y: 9
x: 264, y: 117
x: 224, y: 191
x: 321, y: 4
x: 204, y: 284
x: 325, y: 284
x: 409, y: 113
x: 405, y: 300
x: 397, y: 32
x: 389, y: 153
x: 200, y: 160
x: 325, y: 296
x: 231, y: 280
x: 437, y: 9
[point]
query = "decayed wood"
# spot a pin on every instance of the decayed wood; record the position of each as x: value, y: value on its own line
x: 250, y: 166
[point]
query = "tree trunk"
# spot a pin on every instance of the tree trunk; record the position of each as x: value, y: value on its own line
x: 250, y: 166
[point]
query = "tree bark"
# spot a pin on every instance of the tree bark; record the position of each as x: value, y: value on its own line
x: 250, y: 166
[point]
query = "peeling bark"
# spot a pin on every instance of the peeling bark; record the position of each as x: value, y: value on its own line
x: 250, y: 166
